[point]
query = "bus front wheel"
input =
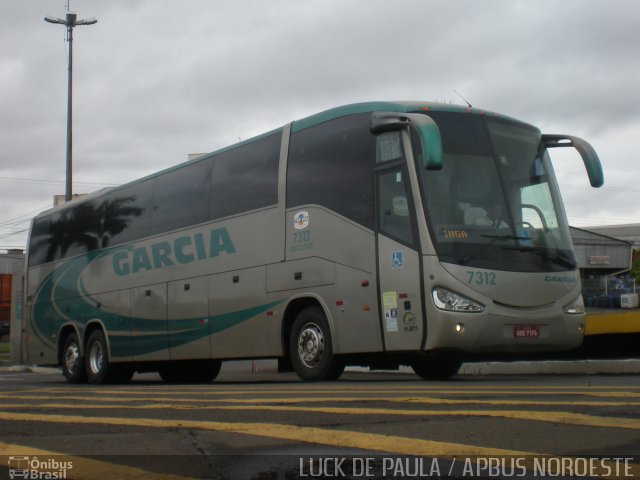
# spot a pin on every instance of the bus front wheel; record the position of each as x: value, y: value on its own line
x: 311, y: 348
x: 436, y: 367
x: 73, y: 367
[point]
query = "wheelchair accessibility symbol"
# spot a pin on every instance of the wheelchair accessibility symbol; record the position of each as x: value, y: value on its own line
x: 397, y: 260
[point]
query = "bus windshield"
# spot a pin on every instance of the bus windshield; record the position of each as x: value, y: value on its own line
x: 495, y: 204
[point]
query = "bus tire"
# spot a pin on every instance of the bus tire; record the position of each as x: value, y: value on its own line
x: 73, y: 368
x: 436, y: 367
x: 195, y: 371
x: 99, y: 369
x: 310, y: 347
x: 337, y: 369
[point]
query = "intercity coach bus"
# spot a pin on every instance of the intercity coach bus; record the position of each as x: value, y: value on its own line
x: 376, y: 234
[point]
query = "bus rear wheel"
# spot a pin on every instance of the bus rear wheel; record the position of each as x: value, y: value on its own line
x: 311, y: 348
x: 73, y: 368
x: 99, y: 369
x: 436, y: 367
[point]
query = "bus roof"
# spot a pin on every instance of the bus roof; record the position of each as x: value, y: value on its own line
x: 297, y: 125
x: 400, y: 106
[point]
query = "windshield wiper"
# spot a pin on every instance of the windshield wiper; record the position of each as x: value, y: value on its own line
x: 545, y: 255
x: 562, y: 260
x: 494, y: 239
x: 505, y: 237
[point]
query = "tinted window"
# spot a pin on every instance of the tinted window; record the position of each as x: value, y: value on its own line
x: 127, y: 214
x: 389, y: 147
x: 181, y: 198
x: 331, y: 164
x: 462, y: 135
x: 494, y: 203
x: 245, y: 178
x: 394, y: 218
x: 81, y: 229
x: 39, y: 241
x: 63, y: 234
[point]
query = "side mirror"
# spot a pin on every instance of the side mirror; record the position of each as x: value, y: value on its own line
x: 586, y: 151
x: 425, y: 127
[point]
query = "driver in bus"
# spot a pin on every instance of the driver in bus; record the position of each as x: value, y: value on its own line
x: 490, y: 217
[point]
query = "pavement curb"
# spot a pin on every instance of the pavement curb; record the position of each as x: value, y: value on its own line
x: 566, y: 367
x: 29, y: 369
x: 575, y: 367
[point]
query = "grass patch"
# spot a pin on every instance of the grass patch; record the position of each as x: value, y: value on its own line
x: 5, y: 357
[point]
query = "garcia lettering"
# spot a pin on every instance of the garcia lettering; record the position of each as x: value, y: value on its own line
x: 181, y: 251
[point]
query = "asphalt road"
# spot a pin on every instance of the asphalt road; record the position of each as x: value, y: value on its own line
x: 269, y: 426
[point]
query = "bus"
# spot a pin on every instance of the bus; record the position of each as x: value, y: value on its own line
x: 374, y: 234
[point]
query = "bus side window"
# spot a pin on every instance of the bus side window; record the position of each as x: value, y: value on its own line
x: 127, y: 213
x: 537, y: 206
x: 331, y: 164
x: 245, y: 178
x: 180, y: 198
x: 394, y: 219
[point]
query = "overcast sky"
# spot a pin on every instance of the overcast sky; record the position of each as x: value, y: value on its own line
x: 155, y: 80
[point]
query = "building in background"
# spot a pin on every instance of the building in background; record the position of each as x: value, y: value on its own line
x: 629, y: 232
x: 12, y: 269
x: 603, y: 260
x: 599, y: 254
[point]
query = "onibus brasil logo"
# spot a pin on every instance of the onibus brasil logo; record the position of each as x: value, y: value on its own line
x: 38, y: 469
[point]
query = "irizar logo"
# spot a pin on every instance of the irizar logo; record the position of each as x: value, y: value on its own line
x: 301, y: 220
x: 181, y: 251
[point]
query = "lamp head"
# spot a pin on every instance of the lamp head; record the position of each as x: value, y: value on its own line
x: 52, y: 19
x: 87, y: 21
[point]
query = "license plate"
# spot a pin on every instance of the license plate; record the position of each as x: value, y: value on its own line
x: 526, y: 331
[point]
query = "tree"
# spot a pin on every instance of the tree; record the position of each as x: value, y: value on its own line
x: 635, y: 265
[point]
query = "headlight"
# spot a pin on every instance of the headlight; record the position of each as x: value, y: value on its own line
x: 577, y: 306
x: 453, y: 302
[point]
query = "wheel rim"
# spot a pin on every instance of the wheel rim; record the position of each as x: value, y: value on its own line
x: 96, y: 357
x: 72, y: 358
x: 310, y: 345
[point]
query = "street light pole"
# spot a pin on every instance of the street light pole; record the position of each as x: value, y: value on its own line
x: 68, y: 194
x: 70, y: 22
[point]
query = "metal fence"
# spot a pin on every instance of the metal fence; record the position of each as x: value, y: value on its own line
x: 607, y: 291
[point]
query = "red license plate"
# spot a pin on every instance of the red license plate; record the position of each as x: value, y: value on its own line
x: 526, y: 331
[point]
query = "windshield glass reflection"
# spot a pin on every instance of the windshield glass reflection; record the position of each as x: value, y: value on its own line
x: 495, y: 204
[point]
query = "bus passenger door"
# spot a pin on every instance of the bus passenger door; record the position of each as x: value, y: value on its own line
x: 149, y: 322
x: 398, y: 262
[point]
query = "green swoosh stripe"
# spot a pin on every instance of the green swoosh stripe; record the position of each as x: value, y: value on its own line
x: 61, y: 298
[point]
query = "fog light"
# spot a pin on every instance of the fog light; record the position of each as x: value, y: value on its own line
x: 460, y: 328
x: 575, y: 307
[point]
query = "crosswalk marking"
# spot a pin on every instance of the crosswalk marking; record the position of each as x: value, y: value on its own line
x: 293, y: 400
x: 568, y: 418
x: 334, y: 437
x: 344, y: 400
x: 388, y: 444
x: 216, y: 390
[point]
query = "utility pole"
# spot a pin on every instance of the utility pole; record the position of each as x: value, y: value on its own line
x: 70, y: 22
